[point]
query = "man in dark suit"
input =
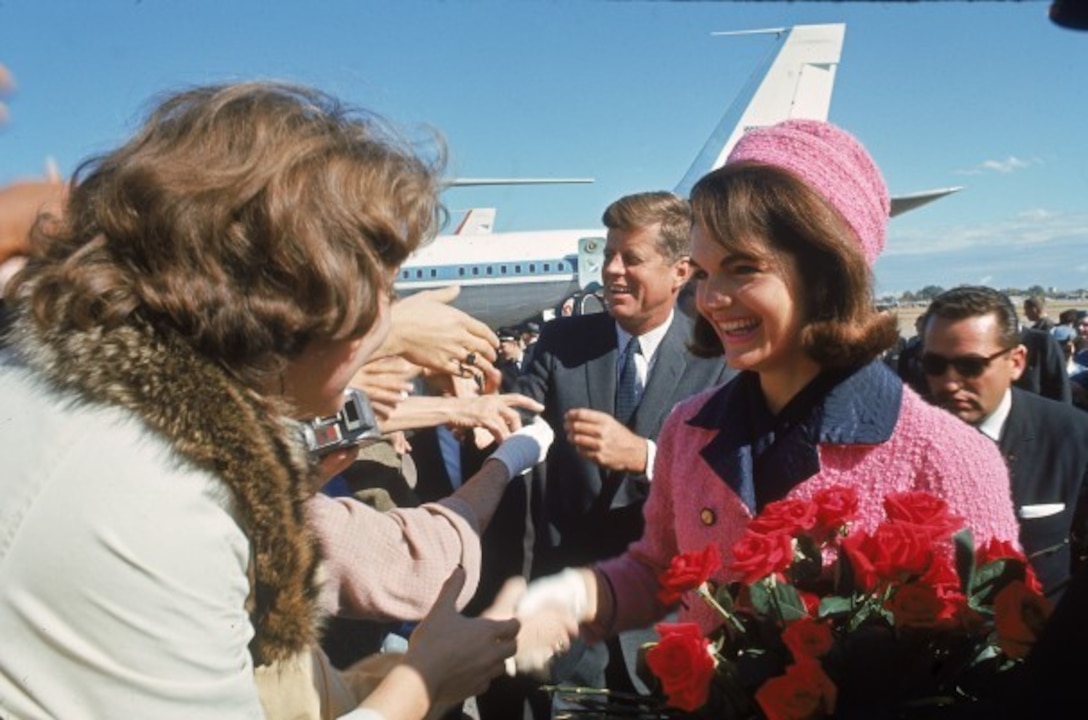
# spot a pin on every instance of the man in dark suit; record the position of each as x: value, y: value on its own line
x: 1044, y: 367
x: 511, y: 358
x: 973, y: 355
x: 589, y: 371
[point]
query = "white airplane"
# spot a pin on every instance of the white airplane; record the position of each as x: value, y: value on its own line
x: 509, y: 277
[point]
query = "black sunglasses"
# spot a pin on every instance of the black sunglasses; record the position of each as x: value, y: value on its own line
x: 968, y: 366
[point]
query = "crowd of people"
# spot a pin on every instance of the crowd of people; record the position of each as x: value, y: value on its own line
x: 178, y: 312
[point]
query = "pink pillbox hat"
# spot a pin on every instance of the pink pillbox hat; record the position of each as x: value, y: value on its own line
x: 833, y: 163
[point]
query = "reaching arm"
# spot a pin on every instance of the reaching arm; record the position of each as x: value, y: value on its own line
x: 427, y: 331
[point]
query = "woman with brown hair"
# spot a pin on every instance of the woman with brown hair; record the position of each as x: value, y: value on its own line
x: 220, y: 276
x: 783, y: 239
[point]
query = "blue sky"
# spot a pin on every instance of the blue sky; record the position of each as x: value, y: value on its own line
x: 990, y: 95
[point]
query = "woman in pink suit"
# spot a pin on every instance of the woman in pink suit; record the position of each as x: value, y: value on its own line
x: 784, y: 238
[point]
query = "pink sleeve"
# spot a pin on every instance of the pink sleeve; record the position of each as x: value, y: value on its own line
x: 391, y: 565
x: 967, y: 469
x: 628, y: 585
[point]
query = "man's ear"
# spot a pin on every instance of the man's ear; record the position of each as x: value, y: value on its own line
x: 1019, y: 357
x: 682, y: 268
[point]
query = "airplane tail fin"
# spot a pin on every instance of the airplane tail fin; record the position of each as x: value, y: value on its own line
x: 795, y: 81
x: 477, y: 221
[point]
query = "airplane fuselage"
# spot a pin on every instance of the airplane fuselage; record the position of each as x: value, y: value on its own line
x: 505, y: 278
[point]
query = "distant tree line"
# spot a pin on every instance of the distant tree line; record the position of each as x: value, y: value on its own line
x: 931, y: 291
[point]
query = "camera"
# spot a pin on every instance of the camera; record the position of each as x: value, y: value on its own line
x: 353, y: 425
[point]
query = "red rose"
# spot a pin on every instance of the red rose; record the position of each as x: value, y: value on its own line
x: 1032, y: 580
x: 811, y: 601
x: 924, y: 510
x: 900, y: 550
x: 687, y: 571
x: 915, y: 605
x: 683, y: 663
x: 1019, y: 616
x: 807, y: 638
x: 998, y: 550
x: 804, y: 692
x: 856, y: 547
x: 941, y: 575
x: 785, y: 516
x: 835, y: 506
x: 756, y: 556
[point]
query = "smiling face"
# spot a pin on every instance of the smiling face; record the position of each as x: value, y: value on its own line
x: 749, y: 298
x: 640, y: 283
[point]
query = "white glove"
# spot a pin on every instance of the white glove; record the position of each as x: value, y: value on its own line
x: 565, y: 590
x: 525, y: 448
x: 549, y: 611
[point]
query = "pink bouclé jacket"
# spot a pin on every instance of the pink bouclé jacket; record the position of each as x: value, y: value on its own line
x: 868, y: 431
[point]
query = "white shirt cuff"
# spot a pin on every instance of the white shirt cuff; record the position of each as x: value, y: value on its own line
x: 651, y: 453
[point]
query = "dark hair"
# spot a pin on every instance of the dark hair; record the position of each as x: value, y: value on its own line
x: 1069, y: 317
x: 753, y: 207
x: 642, y: 210
x: 968, y: 301
x: 250, y: 219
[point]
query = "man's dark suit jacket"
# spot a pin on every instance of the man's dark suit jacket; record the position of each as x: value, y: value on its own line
x: 580, y: 512
x: 510, y: 372
x: 587, y: 513
x: 1045, y: 373
x: 1045, y: 443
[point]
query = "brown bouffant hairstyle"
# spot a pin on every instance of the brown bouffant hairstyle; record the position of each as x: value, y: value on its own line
x: 642, y: 210
x: 749, y: 207
x: 251, y: 219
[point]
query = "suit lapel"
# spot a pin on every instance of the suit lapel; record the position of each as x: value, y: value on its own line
x: 668, y: 367
x: 1016, y: 438
x: 601, y: 373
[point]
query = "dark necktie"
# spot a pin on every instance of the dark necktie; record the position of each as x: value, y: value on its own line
x: 626, y: 400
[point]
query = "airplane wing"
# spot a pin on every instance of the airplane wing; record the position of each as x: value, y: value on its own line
x: 903, y: 203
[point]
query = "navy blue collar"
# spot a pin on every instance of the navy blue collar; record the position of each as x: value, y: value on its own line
x: 754, y: 449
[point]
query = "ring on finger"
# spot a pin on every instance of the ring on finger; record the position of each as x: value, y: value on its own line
x: 470, y: 359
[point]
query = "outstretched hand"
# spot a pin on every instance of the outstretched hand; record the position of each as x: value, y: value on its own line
x: 497, y: 414
x: 428, y: 331
x: 386, y: 381
x: 544, y: 632
x: 20, y: 204
x: 458, y: 657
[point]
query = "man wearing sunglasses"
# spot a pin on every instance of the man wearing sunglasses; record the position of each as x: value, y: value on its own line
x: 972, y: 358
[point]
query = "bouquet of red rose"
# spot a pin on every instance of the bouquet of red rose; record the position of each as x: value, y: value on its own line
x: 828, y: 620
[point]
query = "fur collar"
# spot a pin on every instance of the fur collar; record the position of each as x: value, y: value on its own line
x: 222, y: 427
